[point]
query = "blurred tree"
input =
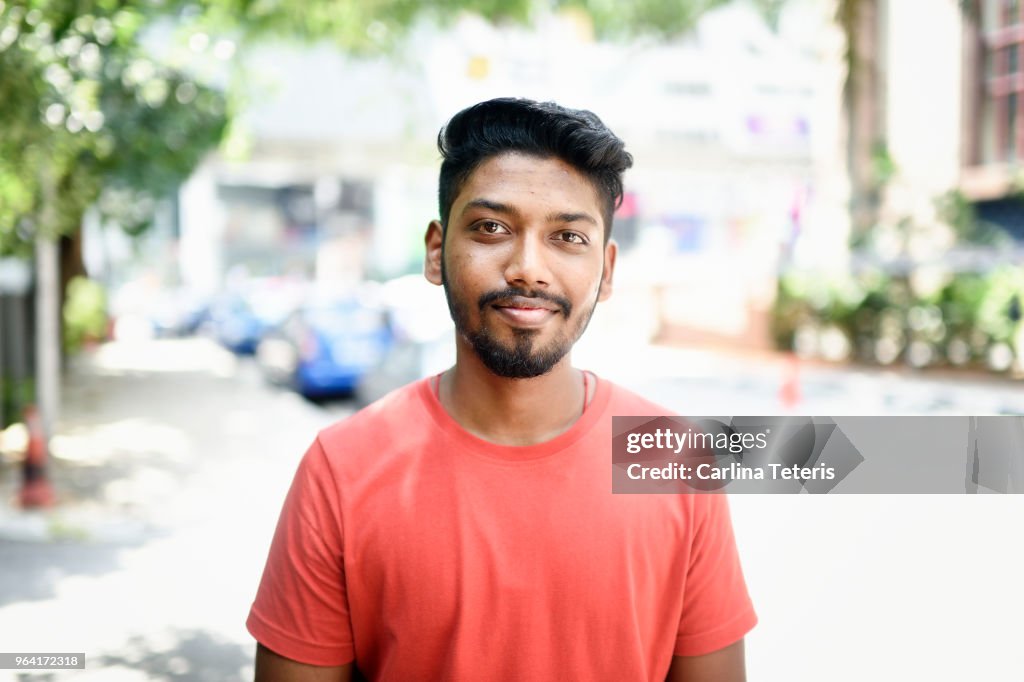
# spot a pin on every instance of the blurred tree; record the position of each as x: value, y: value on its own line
x: 771, y: 10
x: 88, y: 118
x: 360, y: 26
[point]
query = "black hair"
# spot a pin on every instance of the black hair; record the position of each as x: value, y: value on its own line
x: 543, y: 129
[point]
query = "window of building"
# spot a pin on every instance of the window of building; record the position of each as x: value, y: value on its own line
x: 1002, y: 44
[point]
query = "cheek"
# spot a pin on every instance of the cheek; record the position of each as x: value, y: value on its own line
x: 460, y: 281
x: 474, y: 270
x: 458, y: 271
x: 458, y: 261
x: 589, y: 278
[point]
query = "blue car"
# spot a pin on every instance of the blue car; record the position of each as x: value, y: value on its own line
x: 236, y: 326
x: 239, y: 319
x: 325, y: 347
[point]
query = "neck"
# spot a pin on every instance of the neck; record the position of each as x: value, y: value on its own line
x: 511, y: 411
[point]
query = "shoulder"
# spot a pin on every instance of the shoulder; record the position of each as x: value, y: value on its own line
x: 385, y: 424
x: 624, y: 402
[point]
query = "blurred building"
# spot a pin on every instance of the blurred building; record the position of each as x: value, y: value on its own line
x: 733, y: 129
x: 934, y: 108
x: 993, y: 127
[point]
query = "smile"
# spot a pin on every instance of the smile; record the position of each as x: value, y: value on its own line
x: 524, y: 316
x: 521, y: 311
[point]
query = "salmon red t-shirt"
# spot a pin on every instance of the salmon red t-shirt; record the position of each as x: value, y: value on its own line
x: 421, y: 552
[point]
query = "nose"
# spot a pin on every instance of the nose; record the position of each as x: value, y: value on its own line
x: 526, y: 265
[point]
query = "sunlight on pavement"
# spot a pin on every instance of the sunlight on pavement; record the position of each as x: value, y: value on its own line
x: 165, y: 355
x: 102, y: 442
x: 178, y: 475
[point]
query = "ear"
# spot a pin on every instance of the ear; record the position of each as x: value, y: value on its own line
x: 611, y: 250
x: 432, y: 260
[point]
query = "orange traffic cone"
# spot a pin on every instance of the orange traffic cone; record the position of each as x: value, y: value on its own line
x: 789, y: 391
x: 36, y: 490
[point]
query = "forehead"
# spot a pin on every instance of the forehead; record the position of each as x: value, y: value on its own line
x: 526, y: 180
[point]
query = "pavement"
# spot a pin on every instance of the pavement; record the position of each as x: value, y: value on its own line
x: 171, y: 459
x: 738, y: 381
x: 140, y: 423
x: 170, y: 463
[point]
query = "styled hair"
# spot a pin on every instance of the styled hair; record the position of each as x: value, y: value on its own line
x: 542, y: 129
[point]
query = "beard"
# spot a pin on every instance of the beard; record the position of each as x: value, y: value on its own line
x: 519, y: 358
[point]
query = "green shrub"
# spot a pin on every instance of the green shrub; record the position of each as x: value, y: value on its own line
x: 959, y: 321
x: 85, y: 313
x: 14, y: 396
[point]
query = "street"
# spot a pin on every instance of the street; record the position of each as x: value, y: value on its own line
x: 173, y: 460
x: 173, y: 457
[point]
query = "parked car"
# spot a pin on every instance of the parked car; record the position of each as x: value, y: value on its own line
x: 407, y: 360
x: 239, y: 319
x: 235, y: 325
x: 178, y: 312
x: 326, y: 346
x: 424, y: 337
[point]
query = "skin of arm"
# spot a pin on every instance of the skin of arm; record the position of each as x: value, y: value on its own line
x: 724, y: 665
x: 271, y: 667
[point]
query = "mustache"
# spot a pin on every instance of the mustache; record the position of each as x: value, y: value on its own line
x: 564, y: 305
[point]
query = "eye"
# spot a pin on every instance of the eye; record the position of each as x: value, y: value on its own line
x: 572, y: 238
x: 491, y: 227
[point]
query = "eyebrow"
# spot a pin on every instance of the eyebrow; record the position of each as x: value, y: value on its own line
x: 499, y: 207
x: 572, y: 218
x: 495, y: 206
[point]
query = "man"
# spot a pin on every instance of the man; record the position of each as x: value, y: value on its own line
x: 463, y: 527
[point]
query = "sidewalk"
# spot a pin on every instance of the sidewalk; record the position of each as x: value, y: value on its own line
x: 136, y: 416
x: 126, y: 444
x: 734, y: 381
x: 170, y: 463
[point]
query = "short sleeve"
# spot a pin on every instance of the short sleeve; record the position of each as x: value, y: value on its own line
x: 717, y: 610
x: 301, y: 609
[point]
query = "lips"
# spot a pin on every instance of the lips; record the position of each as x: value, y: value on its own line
x: 522, y: 311
x: 526, y: 303
x: 524, y: 317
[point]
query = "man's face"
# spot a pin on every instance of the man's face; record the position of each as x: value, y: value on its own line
x: 523, y: 262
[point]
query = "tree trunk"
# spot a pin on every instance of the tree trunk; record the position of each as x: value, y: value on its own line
x: 863, y: 101
x: 47, y: 318
x: 71, y: 266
